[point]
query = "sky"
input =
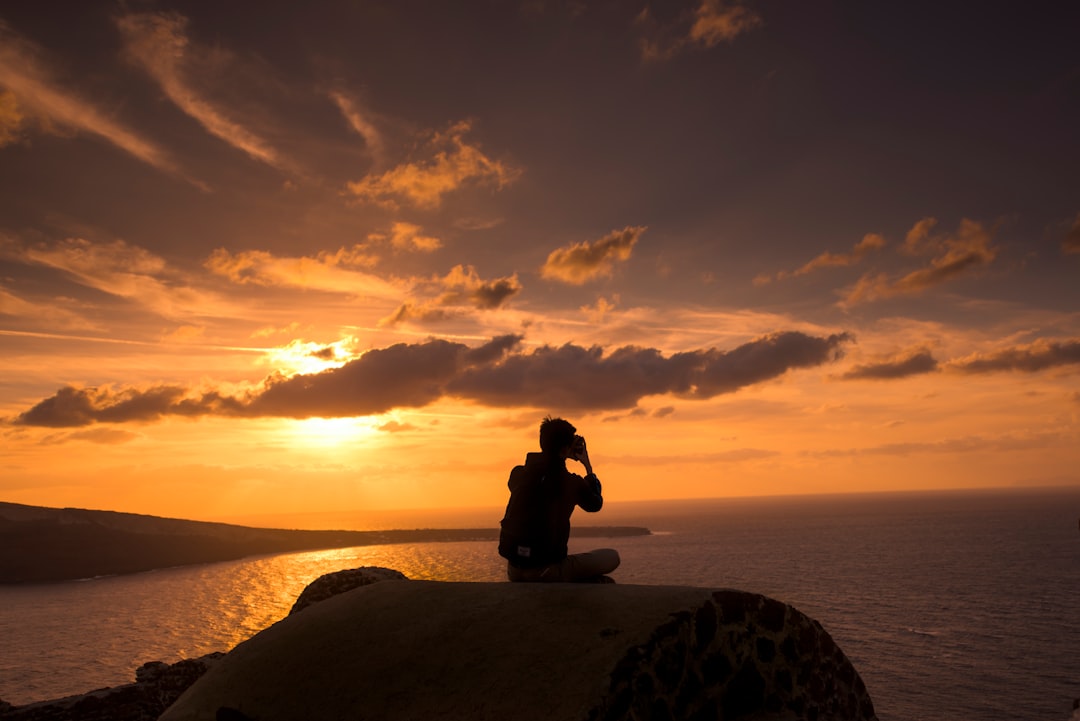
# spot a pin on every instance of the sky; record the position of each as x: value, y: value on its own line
x: 278, y: 257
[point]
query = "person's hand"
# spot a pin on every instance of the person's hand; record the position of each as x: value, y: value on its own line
x: 583, y: 457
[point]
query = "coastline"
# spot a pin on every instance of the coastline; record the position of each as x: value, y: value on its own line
x: 48, y: 545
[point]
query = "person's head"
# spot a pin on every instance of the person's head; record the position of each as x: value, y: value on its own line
x: 556, y: 436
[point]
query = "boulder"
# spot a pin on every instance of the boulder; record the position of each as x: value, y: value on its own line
x: 477, y: 651
x: 331, y: 584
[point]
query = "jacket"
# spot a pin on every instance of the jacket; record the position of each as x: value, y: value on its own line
x: 543, y: 495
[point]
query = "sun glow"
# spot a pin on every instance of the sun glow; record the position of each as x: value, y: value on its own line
x: 305, y: 358
x: 330, y: 432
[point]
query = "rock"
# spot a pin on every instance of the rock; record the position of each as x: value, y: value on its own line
x: 157, y: 685
x: 476, y: 651
x: 331, y: 584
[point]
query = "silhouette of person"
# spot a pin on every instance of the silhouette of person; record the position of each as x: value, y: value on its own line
x: 543, y: 495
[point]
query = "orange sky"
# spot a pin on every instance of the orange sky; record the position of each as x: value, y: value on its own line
x: 346, y: 256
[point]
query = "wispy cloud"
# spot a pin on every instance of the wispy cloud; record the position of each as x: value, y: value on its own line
x: 963, y: 444
x: 450, y: 163
x: 52, y: 313
x: 910, y: 363
x: 123, y: 270
x: 407, y: 237
x: 11, y: 118
x: 461, y: 288
x: 334, y: 272
x: 158, y: 43
x: 360, y: 122
x: 711, y: 23
x: 962, y: 252
x: 585, y: 261
x: 497, y: 374
x: 870, y: 242
x: 35, y: 98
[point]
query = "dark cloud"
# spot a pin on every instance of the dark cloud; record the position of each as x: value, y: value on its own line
x: 497, y: 373
x: 461, y: 288
x: 72, y: 407
x: 1037, y: 356
x: 574, y: 377
x: 909, y: 365
x: 663, y: 412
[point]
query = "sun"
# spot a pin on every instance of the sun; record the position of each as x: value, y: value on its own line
x: 330, y: 432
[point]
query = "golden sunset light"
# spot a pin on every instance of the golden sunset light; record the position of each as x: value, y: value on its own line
x: 300, y: 258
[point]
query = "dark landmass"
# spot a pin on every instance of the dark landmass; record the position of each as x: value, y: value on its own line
x: 40, y: 545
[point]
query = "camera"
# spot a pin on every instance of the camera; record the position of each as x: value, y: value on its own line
x: 577, y: 448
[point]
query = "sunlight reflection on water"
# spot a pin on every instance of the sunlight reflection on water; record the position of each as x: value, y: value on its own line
x: 97, y: 632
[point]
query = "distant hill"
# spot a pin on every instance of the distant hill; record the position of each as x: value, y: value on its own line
x: 40, y: 544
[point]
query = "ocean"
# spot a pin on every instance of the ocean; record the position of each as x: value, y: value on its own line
x: 951, y: 605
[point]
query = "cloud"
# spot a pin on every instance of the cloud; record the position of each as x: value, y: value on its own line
x: 575, y: 377
x: 963, y: 252
x: 919, y: 236
x: 912, y: 363
x: 407, y: 237
x: 963, y: 444
x: 360, y: 123
x: 597, y: 313
x: 585, y: 261
x: 1071, y: 242
x: 1040, y: 355
x: 716, y: 21
x: 462, y: 287
x: 396, y: 427
x: 34, y: 97
x: 498, y: 374
x: 158, y: 43
x: 711, y: 23
x: 101, y: 436
x: 870, y: 242
x: 452, y: 164
x: 120, y: 269
x: 51, y: 313
x: 326, y: 271
x: 11, y: 118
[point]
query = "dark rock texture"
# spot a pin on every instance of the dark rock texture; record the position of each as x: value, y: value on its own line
x: 331, y: 584
x: 157, y: 685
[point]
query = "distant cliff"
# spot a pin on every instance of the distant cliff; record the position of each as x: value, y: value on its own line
x: 56, y: 544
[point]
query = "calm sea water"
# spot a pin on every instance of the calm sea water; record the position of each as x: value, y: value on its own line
x: 951, y: 605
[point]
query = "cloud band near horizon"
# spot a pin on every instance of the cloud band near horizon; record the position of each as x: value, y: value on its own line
x: 496, y: 374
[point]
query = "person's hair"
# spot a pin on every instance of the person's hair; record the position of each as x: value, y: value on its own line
x: 555, y: 435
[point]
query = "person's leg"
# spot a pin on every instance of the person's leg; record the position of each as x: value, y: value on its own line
x: 573, y: 568
x: 588, y: 566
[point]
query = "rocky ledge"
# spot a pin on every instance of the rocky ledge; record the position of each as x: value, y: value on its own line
x: 157, y: 685
x: 366, y: 643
